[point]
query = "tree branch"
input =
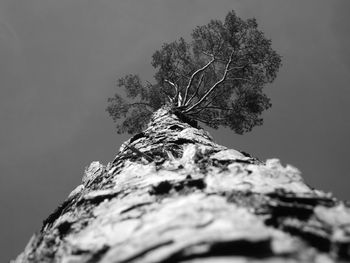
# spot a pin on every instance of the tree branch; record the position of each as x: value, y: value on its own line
x: 175, y: 87
x: 199, y: 109
x: 194, y: 75
x: 197, y: 89
x: 206, y: 106
x: 214, y: 86
x: 171, y: 83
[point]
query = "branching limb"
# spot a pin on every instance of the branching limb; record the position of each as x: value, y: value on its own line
x: 206, y: 106
x: 214, y: 86
x: 194, y: 75
x: 176, y: 88
x: 171, y: 84
x: 197, y: 90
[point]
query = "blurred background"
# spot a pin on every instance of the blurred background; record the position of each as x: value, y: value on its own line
x: 59, y: 61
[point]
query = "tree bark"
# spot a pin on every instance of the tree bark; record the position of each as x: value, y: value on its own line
x: 173, y: 195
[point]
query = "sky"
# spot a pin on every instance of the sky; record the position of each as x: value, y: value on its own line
x: 59, y: 61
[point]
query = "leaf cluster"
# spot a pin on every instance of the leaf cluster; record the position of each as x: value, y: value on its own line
x: 217, y: 78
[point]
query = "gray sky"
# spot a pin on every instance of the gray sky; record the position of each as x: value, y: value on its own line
x: 59, y: 61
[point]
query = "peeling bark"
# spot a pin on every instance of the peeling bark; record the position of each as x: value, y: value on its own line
x: 173, y: 195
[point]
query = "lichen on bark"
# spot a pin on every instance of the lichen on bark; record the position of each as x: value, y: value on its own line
x: 172, y: 194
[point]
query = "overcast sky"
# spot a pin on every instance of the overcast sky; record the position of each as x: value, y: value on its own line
x: 59, y: 61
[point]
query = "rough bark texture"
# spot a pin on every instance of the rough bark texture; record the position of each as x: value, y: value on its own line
x: 173, y: 195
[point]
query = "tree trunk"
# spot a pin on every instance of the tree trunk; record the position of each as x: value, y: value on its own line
x: 173, y: 195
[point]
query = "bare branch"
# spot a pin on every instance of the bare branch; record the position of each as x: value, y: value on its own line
x: 171, y: 83
x: 206, y: 106
x: 176, y: 89
x: 214, y: 86
x: 197, y: 89
x: 194, y: 75
x: 179, y: 100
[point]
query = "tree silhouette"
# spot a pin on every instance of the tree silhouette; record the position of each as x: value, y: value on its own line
x: 217, y: 78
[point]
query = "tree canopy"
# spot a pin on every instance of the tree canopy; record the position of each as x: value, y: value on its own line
x: 217, y: 78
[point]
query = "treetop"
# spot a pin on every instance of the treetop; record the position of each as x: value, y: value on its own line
x: 217, y: 78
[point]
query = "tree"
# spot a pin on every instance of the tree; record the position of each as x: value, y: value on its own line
x: 172, y: 194
x: 217, y: 79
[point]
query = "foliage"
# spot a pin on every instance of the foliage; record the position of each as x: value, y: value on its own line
x: 217, y: 78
